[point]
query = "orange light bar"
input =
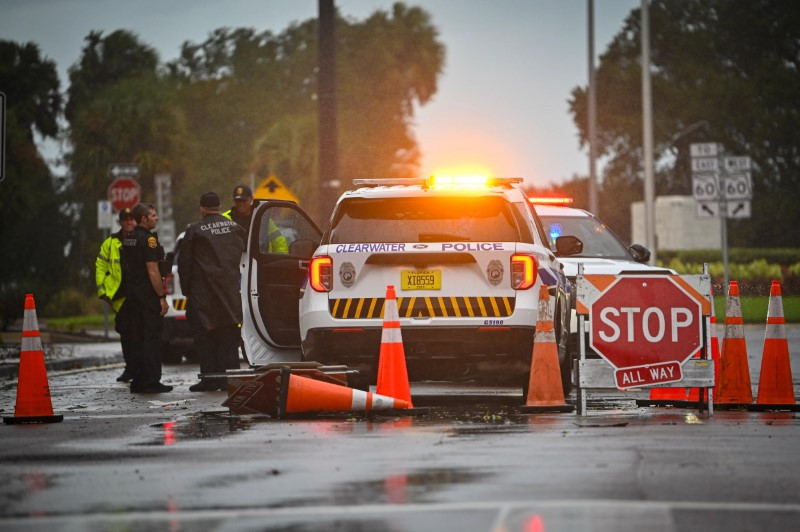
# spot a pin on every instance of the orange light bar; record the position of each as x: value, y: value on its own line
x: 551, y: 200
x: 320, y: 273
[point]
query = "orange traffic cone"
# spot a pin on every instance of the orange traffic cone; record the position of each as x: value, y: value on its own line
x: 667, y: 395
x: 545, y: 392
x: 392, y: 372
x: 33, y: 391
x: 301, y: 394
x: 734, y: 374
x: 694, y: 393
x: 775, y: 382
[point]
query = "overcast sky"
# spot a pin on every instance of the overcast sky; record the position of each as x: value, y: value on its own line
x: 502, y: 99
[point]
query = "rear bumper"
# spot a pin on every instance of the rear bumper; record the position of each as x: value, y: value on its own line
x: 432, y: 353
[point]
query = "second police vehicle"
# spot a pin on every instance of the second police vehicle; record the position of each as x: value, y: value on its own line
x: 602, y: 251
x: 466, y: 257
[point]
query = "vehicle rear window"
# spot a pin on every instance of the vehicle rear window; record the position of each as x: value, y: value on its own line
x: 435, y: 219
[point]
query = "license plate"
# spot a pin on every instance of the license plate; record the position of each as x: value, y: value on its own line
x: 421, y: 279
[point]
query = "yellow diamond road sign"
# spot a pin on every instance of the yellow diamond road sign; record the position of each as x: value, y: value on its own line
x: 273, y: 189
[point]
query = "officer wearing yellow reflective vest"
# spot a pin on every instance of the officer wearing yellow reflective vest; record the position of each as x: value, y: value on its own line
x: 242, y: 213
x: 111, y: 285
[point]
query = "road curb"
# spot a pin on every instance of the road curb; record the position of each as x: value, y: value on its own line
x: 11, y: 370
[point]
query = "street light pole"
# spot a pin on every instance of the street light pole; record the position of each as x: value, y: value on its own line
x: 592, y: 114
x: 647, y: 134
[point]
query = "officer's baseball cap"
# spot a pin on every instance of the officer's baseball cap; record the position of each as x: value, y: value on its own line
x: 209, y: 200
x: 241, y: 192
x: 125, y: 214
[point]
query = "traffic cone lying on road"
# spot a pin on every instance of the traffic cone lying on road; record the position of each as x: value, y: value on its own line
x: 392, y: 372
x: 545, y: 391
x: 775, y: 383
x: 287, y: 390
x: 302, y: 394
x: 734, y: 374
x: 33, y: 391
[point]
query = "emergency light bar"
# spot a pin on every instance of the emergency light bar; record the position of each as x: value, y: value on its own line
x: 441, y: 181
x: 550, y: 200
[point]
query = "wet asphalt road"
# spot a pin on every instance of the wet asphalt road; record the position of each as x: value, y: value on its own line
x: 179, y: 461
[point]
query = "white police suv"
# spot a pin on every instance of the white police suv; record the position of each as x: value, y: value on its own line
x: 602, y: 252
x: 465, y: 255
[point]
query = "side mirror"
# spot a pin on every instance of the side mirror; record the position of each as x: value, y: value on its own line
x: 568, y: 245
x: 640, y: 253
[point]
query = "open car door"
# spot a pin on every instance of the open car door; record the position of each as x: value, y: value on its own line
x: 274, y: 268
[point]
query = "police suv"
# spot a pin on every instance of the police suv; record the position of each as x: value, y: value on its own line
x: 602, y: 252
x: 466, y: 257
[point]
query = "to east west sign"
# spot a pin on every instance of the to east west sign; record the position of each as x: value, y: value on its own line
x: 646, y: 327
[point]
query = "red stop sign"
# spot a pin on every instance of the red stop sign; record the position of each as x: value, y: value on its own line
x: 646, y: 327
x: 123, y: 192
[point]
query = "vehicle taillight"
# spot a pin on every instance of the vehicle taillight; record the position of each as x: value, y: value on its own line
x: 523, y: 271
x: 320, y: 272
x: 169, y: 284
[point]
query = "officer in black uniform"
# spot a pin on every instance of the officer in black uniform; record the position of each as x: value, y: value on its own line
x: 208, y: 266
x: 141, y: 254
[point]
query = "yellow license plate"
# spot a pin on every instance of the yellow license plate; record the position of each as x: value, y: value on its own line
x: 421, y: 279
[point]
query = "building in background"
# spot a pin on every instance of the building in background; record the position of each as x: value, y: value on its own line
x: 677, y: 225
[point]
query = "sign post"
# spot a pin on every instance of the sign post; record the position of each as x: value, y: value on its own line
x: 730, y: 194
x: 166, y: 224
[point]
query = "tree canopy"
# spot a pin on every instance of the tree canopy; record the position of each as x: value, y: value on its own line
x: 32, y: 211
x: 733, y: 65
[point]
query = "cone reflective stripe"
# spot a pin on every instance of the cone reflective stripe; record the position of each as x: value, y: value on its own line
x: 310, y: 395
x: 33, y: 391
x: 392, y: 372
x: 734, y: 375
x: 544, y: 383
x: 775, y: 381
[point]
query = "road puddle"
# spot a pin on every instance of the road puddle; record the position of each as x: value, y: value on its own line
x: 203, y: 426
x: 406, y: 488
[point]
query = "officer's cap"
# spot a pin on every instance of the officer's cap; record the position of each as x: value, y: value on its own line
x: 241, y: 192
x: 125, y: 214
x: 209, y: 200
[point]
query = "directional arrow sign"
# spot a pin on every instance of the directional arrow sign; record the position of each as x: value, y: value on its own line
x: 274, y: 189
x: 707, y: 209
x: 124, y: 170
x: 738, y: 209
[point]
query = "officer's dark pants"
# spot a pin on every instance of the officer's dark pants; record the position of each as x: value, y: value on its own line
x: 145, y: 332
x: 219, y: 350
x: 122, y: 323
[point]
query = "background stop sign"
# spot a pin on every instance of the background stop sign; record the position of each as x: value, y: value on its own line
x: 123, y: 192
x: 646, y: 327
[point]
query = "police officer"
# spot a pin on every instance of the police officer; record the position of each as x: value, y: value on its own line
x: 111, y: 286
x: 208, y: 265
x: 242, y: 213
x: 141, y: 254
